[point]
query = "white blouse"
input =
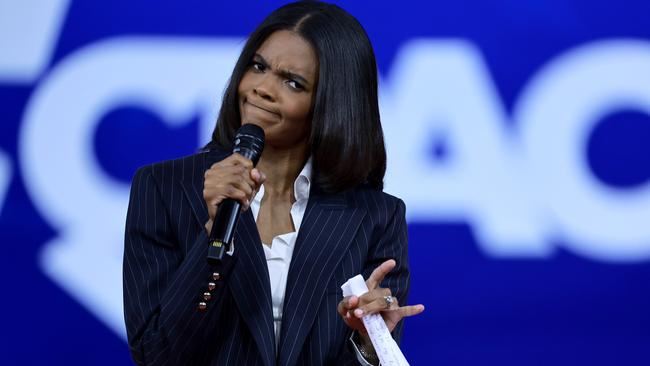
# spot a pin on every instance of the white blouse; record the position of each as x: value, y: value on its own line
x: 278, y: 254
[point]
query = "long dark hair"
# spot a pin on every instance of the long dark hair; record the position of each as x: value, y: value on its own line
x: 347, y: 142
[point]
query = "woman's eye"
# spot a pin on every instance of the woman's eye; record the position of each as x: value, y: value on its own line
x: 258, y: 66
x: 295, y: 85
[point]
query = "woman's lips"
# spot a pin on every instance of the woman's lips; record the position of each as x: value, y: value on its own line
x: 264, y: 109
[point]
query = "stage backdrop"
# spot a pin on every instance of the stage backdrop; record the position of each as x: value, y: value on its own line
x: 518, y: 135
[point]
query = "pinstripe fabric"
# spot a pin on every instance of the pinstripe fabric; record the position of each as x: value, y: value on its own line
x: 165, y: 272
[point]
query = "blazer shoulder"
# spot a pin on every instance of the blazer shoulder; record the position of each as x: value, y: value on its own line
x: 371, y: 198
x: 184, y: 168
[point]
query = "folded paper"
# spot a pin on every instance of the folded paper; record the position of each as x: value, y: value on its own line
x: 385, y: 346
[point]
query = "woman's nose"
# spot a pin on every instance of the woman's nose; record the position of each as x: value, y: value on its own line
x: 264, y: 89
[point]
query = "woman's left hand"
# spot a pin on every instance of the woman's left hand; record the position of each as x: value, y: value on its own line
x: 353, y: 308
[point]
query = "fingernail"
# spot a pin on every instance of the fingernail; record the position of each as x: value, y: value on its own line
x: 358, y: 312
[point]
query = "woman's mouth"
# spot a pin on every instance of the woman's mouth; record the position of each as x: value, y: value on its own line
x: 264, y: 109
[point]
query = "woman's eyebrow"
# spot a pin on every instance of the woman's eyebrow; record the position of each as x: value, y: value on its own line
x: 285, y: 73
x: 291, y: 75
x: 260, y: 59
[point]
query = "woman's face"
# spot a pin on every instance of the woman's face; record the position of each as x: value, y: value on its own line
x: 277, y: 89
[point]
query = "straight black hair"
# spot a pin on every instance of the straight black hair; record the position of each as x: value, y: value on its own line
x: 346, y: 141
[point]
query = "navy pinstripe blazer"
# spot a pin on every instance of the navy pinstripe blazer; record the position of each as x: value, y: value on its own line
x: 165, y: 273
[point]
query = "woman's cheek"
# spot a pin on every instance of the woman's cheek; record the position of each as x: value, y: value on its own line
x: 301, y: 109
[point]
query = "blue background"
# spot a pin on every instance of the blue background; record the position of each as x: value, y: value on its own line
x: 561, y: 310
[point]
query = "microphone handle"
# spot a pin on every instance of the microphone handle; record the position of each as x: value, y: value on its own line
x: 225, y: 222
x: 223, y: 229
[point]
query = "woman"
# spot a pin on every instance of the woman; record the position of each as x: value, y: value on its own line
x: 307, y: 76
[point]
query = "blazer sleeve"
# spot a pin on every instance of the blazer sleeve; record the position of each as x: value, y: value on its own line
x: 162, y: 282
x: 393, y: 244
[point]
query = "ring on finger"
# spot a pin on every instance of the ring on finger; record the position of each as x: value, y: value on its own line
x: 389, y: 301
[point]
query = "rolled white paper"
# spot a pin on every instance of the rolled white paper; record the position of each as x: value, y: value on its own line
x: 385, y: 346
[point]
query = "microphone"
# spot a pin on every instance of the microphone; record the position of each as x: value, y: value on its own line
x: 249, y: 142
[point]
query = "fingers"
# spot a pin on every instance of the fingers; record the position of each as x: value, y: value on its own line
x: 230, y: 178
x: 374, y: 301
x: 236, y: 159
x: 410, y: 310
x: 231, y: 182
x: 380, y: 306
x: 235, y: 170
x: 348, y: 303
x: 240, y: 175
x: 379, y: 273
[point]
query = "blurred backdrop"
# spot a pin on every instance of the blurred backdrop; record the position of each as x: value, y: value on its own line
x: 518, y: 135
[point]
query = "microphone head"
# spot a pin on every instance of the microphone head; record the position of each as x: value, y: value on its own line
x: 249, y: 142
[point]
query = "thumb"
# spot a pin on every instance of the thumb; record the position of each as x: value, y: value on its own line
x: 258, y: 176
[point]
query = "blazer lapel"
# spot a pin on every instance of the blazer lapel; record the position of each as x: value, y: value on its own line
x: 251, y: 288
x: 325, y: 234
x: 249, y: 280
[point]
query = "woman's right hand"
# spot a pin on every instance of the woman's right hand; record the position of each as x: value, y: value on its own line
x: 233, y: 177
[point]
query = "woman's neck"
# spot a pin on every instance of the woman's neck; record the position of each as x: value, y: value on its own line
x: 281, y: 168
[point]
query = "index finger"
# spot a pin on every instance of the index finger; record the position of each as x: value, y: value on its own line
x: 379, y: 273
x: 242, y: 160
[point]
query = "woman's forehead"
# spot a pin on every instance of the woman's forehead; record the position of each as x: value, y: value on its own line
x: 287, y: 51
